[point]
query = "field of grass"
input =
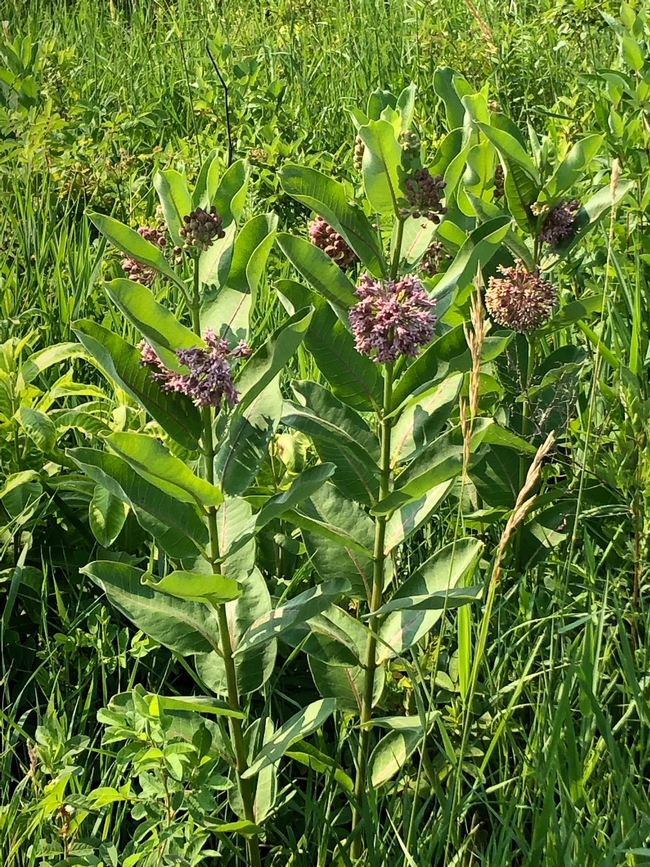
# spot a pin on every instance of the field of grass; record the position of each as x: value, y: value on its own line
x: 516, y: 729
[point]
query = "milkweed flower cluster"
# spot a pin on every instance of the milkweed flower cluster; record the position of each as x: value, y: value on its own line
x: 209, y: 377
x: 201, y: 228
x: 432, y: 258
x: 393, y: 318
x: 520, y: 299
x: 322, y: 235
x: 559, y: 222
x: 424, y: 196
x: 138, y: 271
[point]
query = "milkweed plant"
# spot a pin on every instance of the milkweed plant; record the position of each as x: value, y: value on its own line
x: 410, y: 288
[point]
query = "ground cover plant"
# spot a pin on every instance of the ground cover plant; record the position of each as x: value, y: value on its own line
x: 323, y: 397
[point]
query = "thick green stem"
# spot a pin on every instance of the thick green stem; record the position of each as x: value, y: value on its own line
x: 525, y: 432
x: 225, y: 643
x: 379, y: 561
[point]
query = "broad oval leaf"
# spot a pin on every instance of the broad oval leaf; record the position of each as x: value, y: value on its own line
x: 175, y: 200
x: 299, y: 726
x: 298, y: 610
x: 446, y: 569
x: 422, y: 421
x: 267, y: 361
x: 120, y: 361
x: 381, y: 164
x: 150, y: 459
x: 182, y: 626
x: 177, y: 526
x: 244, y: 447
x: 134, y: 245
x: 303, y: 486
x: 319, y: 269
x: 38, y: 426
x: 107, y: 514
x: 214, y: 589
x: 572, y: 166
x: 155, y: 322
x: 391, y: 754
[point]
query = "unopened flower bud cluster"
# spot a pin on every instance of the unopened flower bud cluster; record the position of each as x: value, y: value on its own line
x: 432, y: 259
x: 201, y: 228
x: 359, y: 150
x: 322, y: 235
x: 559, y: 222
x: 409, y: 142
x: 424, y: 195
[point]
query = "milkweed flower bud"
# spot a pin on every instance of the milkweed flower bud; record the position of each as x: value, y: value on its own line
x: 201, y: 228
x: 424, y: 195
x: 409, y: 141
x: 209, y: 378
x: 322, y: 235
x: 559, y: 222
x: 433, y: 256
x: 138, y: 271
x: 393, y: 318
x: 499, y: 182
x: 359, y: 150
x: 520, y: 299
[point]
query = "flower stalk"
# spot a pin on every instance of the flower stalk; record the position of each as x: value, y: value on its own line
x: 378, y: 575
x: 379, y: 563
x: 225, y: 644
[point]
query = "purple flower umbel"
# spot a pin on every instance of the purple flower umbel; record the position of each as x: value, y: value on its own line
x: 209, y: 379
x: 393, y: 318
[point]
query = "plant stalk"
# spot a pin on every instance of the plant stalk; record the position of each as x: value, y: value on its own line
x: 225, y: 643
x: 525, y: 432
x: 379, y: 560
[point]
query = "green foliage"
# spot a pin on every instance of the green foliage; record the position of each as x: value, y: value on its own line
x: 213, y: 572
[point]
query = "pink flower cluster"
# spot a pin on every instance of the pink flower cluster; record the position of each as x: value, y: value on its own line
x: 209, y: 378
x: 520, y: 300
x: 393, y: 318
x: 559, y: 221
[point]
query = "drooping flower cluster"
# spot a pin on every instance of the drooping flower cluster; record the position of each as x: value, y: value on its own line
x: 359, y: 150
x: 424, y: 195
x: 201, y: 228
x: 209, y: 378
x: 559, y: 222
x: 393, y: 318
x: 138, y: 271
x: 432, y: 259
x: 499, y: 182
x: 520, y: 299
x: 331, y: 242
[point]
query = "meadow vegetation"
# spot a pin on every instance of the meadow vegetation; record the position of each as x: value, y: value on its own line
x: 324, y: 511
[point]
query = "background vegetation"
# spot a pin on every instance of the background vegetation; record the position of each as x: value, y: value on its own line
x: 94, y: 98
